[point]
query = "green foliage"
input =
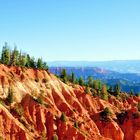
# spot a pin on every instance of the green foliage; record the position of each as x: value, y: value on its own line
x: 32, y: 62
x: 10, y: 97
x: 55, y: 137
x: 117, y: 89
x: 131, y: 93
x: 76, y: 125
x: 16, y: 58
x: 40, y: 99
x: 90, y: 81
x: 105, y: 115
x: 44, y: 80
x: 106, y: 111
x: 63, y: 117
x: 137, y: 94
x: 36, y: 80
x: 97, y: 84
x: 72, y: 77
x: 40, y: 63
x: 87, y: 90
x: 63, y: 75
x: 24, y: 122
x: 5, y: 55
x: 22, y: 60
x: 81, y: 81
x: 104, y: 94
x: 19, y: 110
x: 76, y: 81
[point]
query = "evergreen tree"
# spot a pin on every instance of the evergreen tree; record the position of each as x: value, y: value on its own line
x: 117, y: 89
x: 104, y: 94
x: 32, y: 62
x: 10, y: 98
x: 63, y: 75
x: 63, y: 117
x: 22, y: 61
x: 28, y: 61
x: 40, y: 63
x: 87, y: 90
x: 76, y: 81
x: 131, y: 93
x: 72, y: 77
x: 81, y: 81
x: 14, y: 57
x: 5, y: 55
x: 45, y: 66
x: 90, y: 81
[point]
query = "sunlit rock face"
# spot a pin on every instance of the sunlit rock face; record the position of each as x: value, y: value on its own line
x: 39, y: 99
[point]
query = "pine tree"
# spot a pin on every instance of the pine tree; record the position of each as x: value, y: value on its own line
x: 104, y: 94
x: 117, y: 89
x: 28, y: 61
x: 63, y: 75
x: 22, y: 61
x: 131, y: 93
x: 72, y: 77
x: 87, y: 90
x: 40, y: 63
x: 90, y: 81
x: 76, y: 81
x: 10, y: 98
x: 81, y: 81
x: 63, y: 117
x: 14, y: 57
x: 45, y: 66
x: 5, y: 55
x: 32, y: 62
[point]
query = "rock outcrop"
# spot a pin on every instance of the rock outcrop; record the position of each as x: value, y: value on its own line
x: 39, y: 99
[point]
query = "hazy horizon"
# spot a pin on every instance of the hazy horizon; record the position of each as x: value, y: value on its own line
x: 72, y: 30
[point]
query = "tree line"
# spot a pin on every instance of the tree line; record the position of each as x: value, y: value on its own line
x: 90, y: 84
x: 17, y: 58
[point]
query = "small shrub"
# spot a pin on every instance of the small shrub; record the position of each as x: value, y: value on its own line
x: 87, y: 90
x: 24, y: 123
x: 10, y: 97
x: 74, y: 110
x: 47, y: 105
x: 19, y: 110
x: 76, y: 125
x: 39, y: 100
x: 55, y: 137
x: 63, y: 117
x: 44, y: 80
x: 37, y: 80
x: 121, y: 117
x: 106, y: 111
x: 104, y: 115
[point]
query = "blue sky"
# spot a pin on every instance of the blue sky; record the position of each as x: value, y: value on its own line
x: 72, y: 29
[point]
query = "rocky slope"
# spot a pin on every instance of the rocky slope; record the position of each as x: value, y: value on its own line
x: 35, y: 105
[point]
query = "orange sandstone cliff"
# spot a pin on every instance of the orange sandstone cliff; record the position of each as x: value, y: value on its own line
x: 36, y: 105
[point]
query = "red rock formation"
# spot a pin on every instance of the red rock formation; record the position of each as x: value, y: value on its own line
x: 43, y: 97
